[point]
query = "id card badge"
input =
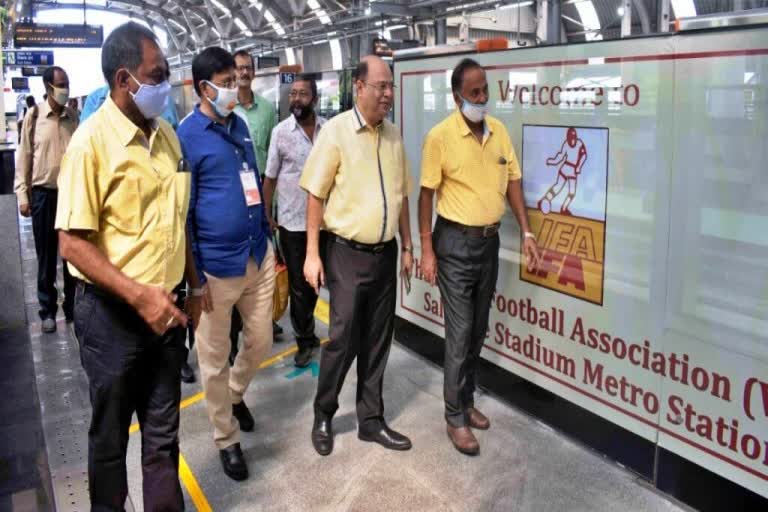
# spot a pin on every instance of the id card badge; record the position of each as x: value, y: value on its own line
x: 250, y: 187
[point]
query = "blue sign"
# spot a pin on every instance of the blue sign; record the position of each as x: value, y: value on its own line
x: 25, y: 58
x: 287, y: 78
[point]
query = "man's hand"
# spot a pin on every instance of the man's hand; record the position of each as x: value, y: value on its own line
x: 406, y: 262
x: 272, y: 224
x: 25, y: 210
x: 194, y: 305
x: 313, y: 272
x: 156, y: 307
x: 429, y: 264
x: 532, y: 254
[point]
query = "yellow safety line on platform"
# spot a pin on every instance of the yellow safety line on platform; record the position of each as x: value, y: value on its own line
x: 193, y: 488
x: 321, y: 313
x: 185, y: 473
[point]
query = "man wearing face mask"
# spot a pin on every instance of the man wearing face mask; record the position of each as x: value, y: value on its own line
x: 469, y: 160
x: 292, y: 141
x: 46, y: 132
x: 260, y: 116
x: 123, y: 199
x: 231, y: 245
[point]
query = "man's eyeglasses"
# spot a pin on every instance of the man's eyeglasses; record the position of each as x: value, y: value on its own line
x: 300, y: 94
x: 244, y: 68
x: 382, y: 87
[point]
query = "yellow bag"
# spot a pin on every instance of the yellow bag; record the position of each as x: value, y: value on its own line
x: 280, y: 298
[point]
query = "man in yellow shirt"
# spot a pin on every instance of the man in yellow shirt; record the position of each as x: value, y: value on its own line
x: 121, y: 219
x: 469, y: 160
x: 46, y: 131
x: 356, y: 176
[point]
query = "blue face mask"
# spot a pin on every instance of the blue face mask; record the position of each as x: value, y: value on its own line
x: 225, y: 101
x: 475, y: 112
x: 151, y: 99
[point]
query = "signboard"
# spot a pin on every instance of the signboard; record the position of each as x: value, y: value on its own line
x: 19, y: 84
x: 27, y: 58
x: 643, y: 165
x: 268, y: 62
x: 38, y: 35
x: 33, y: 71
x: 287, y: 78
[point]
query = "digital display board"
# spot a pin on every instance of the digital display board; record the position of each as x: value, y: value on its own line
x: 38, y: 35
x: 19, y: 83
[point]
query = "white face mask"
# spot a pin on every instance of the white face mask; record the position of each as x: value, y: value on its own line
x: 475, y: 112
x: 225, y: 101
x: 151, y: 99
x: 60, y: 96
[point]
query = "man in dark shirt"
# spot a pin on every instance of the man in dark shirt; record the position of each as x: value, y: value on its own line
x: 231, y: 245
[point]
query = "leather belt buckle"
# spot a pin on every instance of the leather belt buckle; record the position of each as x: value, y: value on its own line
x: 489, y: 231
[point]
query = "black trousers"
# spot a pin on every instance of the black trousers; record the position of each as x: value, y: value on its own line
x: 293, y: 245
x: 467, y: 269
x: 130, y: 369
x: 362, y: 291
x: 43, y: 204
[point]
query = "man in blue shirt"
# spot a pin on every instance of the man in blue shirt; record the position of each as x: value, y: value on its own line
x: 230, y: 239
x: 97, y: 97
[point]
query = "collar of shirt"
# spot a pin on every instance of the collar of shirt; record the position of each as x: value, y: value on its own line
x: 361, y: 123
x: 206, y: 123
x: 46, y: 110
x: 296, y: 126
x: 464, y: 128
x: 254, y: 103
x: 124, y: 127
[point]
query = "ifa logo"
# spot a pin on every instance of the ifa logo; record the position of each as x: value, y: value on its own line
x: 565, y: 179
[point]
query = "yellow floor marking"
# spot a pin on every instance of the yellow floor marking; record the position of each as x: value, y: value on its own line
x: 185, y: 473
x: 193, y: 488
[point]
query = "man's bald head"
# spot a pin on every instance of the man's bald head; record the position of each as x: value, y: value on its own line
x: 375, y: 89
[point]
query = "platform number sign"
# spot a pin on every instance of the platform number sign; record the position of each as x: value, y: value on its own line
x: 287, y: 78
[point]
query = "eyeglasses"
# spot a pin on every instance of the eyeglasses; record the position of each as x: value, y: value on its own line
x: 382, y: 87
x: 300, y: 94
x: 228, y: 84
x: 244, y: 68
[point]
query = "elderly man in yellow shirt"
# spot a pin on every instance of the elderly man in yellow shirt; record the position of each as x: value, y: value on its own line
x: 121, y: 218
x: 357, y: 169
x: 469, y: 160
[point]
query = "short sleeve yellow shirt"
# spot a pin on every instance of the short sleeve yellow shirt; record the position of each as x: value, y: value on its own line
x: 125, y: 190
x: 362, y: 173
x: 470, y: 178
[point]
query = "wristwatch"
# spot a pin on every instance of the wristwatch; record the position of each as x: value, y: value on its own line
x: 528, y: 234
x: 407, y: 248
x: 195, y: 292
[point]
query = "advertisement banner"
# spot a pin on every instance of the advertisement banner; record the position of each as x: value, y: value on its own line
x: 645, y: 185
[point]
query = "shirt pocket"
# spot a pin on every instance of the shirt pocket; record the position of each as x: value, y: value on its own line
x: 124, y: 206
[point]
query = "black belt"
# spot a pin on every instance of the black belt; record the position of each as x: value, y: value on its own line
x: 474, y: 231
x: 373, y: 248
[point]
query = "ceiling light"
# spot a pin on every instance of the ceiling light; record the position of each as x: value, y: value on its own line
x: 684, y: 8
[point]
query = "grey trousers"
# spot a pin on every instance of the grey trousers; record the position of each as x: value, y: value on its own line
x: 467, y: 269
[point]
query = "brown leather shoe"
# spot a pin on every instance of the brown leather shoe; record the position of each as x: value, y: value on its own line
x: 478, y: 420
x: 464, y: 440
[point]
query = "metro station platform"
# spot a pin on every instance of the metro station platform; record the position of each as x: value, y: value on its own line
x: 523, y: 465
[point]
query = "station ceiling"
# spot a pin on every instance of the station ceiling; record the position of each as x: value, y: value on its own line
x: 272, y: 24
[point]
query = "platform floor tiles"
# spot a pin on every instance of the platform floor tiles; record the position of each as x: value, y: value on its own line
x: 523, y: 464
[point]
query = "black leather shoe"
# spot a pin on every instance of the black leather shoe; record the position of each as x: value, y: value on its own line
x: 322, y: 435
x: 233, y: 462
x: 276, y: 329
x: 315, y: 342
x: 243, y: 415
x: 386, y: 437
x: 303, y: 357
x: 187, y: 373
